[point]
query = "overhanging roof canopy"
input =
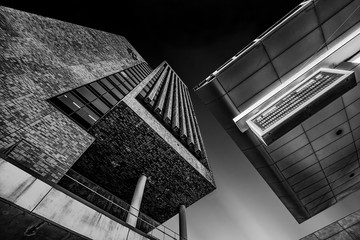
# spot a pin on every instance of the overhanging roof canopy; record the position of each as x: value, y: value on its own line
x: 316, y: 164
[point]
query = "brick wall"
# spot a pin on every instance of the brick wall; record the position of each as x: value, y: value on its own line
x: 126, y: 147
x: 41, y: 58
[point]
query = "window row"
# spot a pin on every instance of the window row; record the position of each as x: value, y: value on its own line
x: 151, y: 83
x: 88, y: 103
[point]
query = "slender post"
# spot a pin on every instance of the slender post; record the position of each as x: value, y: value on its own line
x: 182, y: 223
x: 136, y: 201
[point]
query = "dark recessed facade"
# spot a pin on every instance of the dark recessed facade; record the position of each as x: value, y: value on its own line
x: 92, y: 140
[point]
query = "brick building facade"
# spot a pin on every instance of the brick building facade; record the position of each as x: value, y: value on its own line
x: 84, y: 116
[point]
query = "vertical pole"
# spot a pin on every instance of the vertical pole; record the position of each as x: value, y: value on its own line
x: 182, y: 223
x: 136, y: 201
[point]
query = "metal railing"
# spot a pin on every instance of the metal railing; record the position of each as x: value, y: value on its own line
x: 24, y: 153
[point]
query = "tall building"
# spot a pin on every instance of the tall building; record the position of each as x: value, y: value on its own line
x: 290, y: 101
x: 94, y: 143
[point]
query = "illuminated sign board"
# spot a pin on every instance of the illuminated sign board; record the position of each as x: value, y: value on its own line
x: 300, y: 102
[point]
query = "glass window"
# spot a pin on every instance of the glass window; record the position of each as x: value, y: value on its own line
x: 70, y: 101
x: 110, y: 99
x: 114, y: 80
x: 124, y: 82
x: 100, y: 105
x: 147, y: 68
x: 117, y: 93
x: 128, y: 79
x: 86, y: 93
x: 99, y: 89
x: 139, y: 71
x: 137, y: 77
x: 107, y: 83
x: 123, y: 89
x: 88, y: 115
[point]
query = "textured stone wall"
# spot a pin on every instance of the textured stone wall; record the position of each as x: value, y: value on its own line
x: 126, y: 147
x: 41, y: 58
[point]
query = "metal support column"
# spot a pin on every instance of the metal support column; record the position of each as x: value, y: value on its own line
x: 182, y: 223
x: 136, y: 201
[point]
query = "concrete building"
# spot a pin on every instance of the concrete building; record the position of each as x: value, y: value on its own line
x: 94, y: 143
x: 346, y: 228
x: 302, y: 138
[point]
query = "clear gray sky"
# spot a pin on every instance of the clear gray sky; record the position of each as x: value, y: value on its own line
x: 196, y: 37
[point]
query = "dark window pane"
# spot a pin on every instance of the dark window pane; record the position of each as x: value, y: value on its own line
x: 114, y: 80
x: 123, y: 89
x: 110, y: 99
x: 100, y: 105
x: 141, y: 68
x: 117, y: 93
x: 99, y: 89
x: 88, y: 115
x: 139, y: 72
x: 144, y: 72
x: 80, y: 121
x: 128, y: 79
x: 137, y: 77
x: 70, y: 101
x: 107, y: 83
x: 124, y: 82
x: 86, y: 93
x: 147, y: 68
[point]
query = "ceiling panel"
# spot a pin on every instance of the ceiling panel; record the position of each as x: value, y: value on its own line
x: 288, y: 34
x: 299, y: 52
x: 289, y: 148
x: 356, y: 134
x: 297, y: 131
x: 353, y: 109
x: 320, y: 207
x: 340, y: 164
x: 343, y: 175
x: 312, y: 188
x: 256, y: 97
x: 323, y: 114
x: 348, y: 184
x: 355, y: 124
x: 326, y: 8
x: 342, y: 21
x: 304, y: 174
x: 327, y: 125
x: 253, y: 85
x: 308, y: 181
x: 295, y: 157
x: 315, y: 196
x: 352, y: 95
x: 300, y: 166
x: 334, y: 146
x: 243, y: 67
x: 330, y: 136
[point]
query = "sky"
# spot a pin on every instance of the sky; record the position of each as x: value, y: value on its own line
x: 196, y: 37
